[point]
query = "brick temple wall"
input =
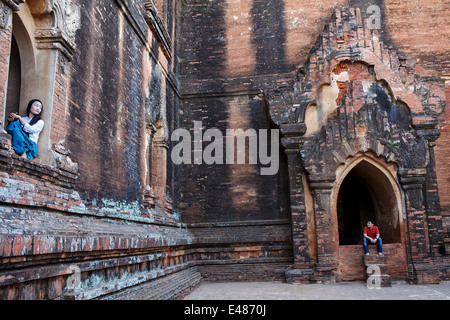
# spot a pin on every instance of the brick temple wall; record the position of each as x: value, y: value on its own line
x: 227, y: 222
x: 102, y: 95
x: 252, y: 46
x: 85, y: 232
x: 276, y: 40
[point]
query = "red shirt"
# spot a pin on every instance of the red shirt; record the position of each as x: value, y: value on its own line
x: 371, y: 232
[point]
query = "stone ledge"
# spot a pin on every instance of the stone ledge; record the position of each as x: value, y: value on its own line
x: 115, y: 287
x: 64, y: 175
x: 172, y: 286
x: 21, y: 189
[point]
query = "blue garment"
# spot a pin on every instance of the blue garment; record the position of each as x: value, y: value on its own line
x: 20, y: 141
x: 366, y: 243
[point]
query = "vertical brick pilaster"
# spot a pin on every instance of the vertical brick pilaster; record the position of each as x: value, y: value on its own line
x: 159, y: 169
x: 291, y: 141
x: 326, y: 227
x: 302, y: 258
x: 417, y: 227
x: 432, y: 200
x: 412, y: 182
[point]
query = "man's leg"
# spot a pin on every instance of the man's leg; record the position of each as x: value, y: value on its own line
x: 379, y: 246
x: 366, y: 246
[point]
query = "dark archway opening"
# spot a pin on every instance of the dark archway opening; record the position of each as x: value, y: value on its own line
x: 366, y: 193
x: 14, y: 80
x: 355, y: 206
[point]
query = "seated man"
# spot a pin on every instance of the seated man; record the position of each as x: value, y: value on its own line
x: 372, y: 236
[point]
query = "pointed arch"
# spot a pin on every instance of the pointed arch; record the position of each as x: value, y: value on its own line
x: 372, y: 190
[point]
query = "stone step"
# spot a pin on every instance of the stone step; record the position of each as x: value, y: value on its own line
x: 163, y: 290
x: 374, y: 259
x: 171, y: 289
x: 166, y: 287
x: 380, y: 281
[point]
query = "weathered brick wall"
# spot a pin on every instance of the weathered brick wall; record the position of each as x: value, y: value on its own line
x: 103, y: 94
x: 247, y: 46
x: 277, y: 37
x: 442, y: 156
x: 254, y: 250
x: 105, y: 122
x: 415, y: 29
x: 231, y: 192
x: 226, y: 55
x: 116, y: 69
x: 241, y: 50
x: 230, y: 49
x: 247, y: 39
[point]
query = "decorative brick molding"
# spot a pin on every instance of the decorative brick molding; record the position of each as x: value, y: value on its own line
x: 13, y: 4
x: 54, y: 38
x: 6, y: 9
x: 159, y: 30
x: 60, y: 35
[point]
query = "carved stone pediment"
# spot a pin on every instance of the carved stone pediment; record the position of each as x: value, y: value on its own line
x: 355, y: 94
x: 57, y: 22
x: 6, y: 7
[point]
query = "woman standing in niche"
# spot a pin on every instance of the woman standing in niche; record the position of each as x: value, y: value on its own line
x: 25, y: 130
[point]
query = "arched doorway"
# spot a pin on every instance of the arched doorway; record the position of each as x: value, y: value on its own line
x: 36, y: 52
x: 355, y: 206
x: 366, y: 192
x: 367, y: 188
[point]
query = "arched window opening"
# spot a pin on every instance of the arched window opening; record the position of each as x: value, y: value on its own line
x: 14, y: 80
x: 355, y: 206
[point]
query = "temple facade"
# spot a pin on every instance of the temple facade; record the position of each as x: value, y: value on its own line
x: 338, y: 110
